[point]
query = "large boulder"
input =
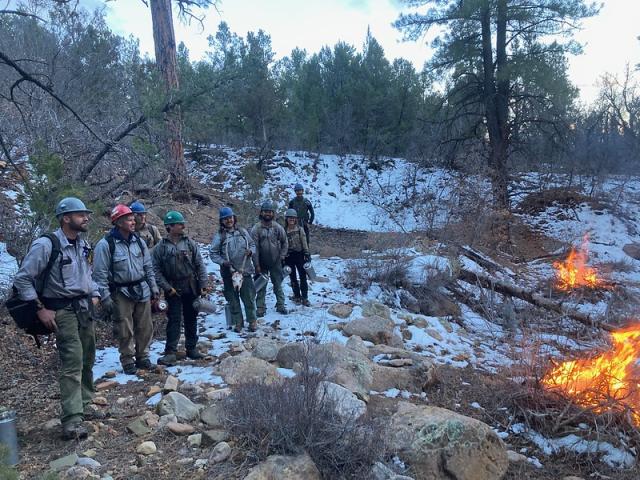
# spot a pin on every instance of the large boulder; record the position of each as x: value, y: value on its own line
x: 340, y: 310
x: 371, y: 308
x: 344, y: 366
x: 348, y: 406
x: 175, y: 403
x: 213, y: 415
x: 245, y: 368
x: 401, y: 369
x: 357, y: 344
x: 440, y: 444
x: 375, y: 329
x: 290, y: 354
x: 282, y: 467
x: 265, y: 348
x: 633, y: 250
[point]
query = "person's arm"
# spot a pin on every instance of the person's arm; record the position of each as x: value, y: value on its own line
x: 312, y: 214
x: 101, y: 267
x: 148, y: 270
x: 305, y: 245
x: 156, y: 259
x: 201, y: 269
x: 284, y: 243
x: 216, y: 247
x: 32, y: 266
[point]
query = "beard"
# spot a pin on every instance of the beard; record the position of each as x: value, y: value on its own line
x: 81, y: 226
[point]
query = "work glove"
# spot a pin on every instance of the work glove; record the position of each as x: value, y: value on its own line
x: 155, y: 294
x: 204, y: 291
x: 248, y: 252
x: 107, y: 305
x: 171, y: 293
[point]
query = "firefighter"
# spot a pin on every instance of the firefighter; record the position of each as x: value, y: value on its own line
x: 149, y: 233
x: 303, y: 207
x: 297, y: 256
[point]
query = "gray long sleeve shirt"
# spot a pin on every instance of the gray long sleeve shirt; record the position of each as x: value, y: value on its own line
x: 70, y: 274
x: 271, y: 242
x: 129, y: 264
x: 231, y: 246
x: 176, y: 262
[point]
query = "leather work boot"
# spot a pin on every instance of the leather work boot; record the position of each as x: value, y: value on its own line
x: 253, y: 326
x: 305, y: 302
x: 260, y: 312
x: 74, y: 431
x: 283, y: 310
x: 144, y: 364
x: 194, y: 354
x: 129, y: 369
x: 168, y: 359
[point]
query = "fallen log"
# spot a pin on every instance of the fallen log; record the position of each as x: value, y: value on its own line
x: 538, y: 300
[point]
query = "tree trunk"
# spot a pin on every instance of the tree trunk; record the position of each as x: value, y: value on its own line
x: 165, y: 48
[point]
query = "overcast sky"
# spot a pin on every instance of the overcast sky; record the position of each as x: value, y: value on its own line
x: 610, y: 39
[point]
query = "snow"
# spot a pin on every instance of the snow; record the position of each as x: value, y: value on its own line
x: 8, y: 267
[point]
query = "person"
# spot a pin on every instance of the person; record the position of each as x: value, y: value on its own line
x: 181, y: 273
x: 235, y: 251
x: 123, y: 270
x: 149, y: 233
x: 297, y: 256
x: 63, y: 307
x: 303, y: 207
x: 271, y: 245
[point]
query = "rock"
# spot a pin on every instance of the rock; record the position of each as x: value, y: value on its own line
x: 213, y: 415
x: 380, y: 471
x: 633, y: 250
x: 151, y: 419
x: 291, y: 353
x: 78, y: 472
x: 572, y: 477
x: 106, y: 385
x: 408, y: 301
x: 399, y: 362
x: 110, y: 374
x: 52, y: 424
x: 439, y: 443
x: 171, y: 384
x: 63, y: 462
x: 221, y: 452
x: 146, y: 448
x: 340, y: 310
x: 139, y: 427
x: 175, y: 403
x: 90, y: 453
x: 282, y: 467
x: 244, y: 368
x: 375, y: 329
x: 348, y: 406
x: 180, y: 428
x: 201, y: 463
x: 344, y: 366
x: 433, y: 333
x: 166, y: 419
x: 100, y: 401
x: 265, y: 349
x: 213, y: 437
x: 515, y: 457
x: 184, y: 460
x: 413, y: 379
x: 336, y: 326
x: 89, y: 463
x: 357, y: 344
x: 218, y: 393
x: 436, y: 304
x: 371, y: 308
x: 153, y: 390
x: 195, y: 440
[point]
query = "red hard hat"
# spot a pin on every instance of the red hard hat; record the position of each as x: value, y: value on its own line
x: 119, y: 211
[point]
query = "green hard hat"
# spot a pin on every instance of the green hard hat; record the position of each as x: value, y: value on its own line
x: 71, y: 205
x: 173, y: 217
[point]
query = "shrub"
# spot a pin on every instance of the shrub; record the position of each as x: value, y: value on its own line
x: 291, y: 417
x: 389, y: 270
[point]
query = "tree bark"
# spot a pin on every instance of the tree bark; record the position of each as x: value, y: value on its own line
x: 166, y: 59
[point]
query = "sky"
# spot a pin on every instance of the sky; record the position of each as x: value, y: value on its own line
x: 609, y: 39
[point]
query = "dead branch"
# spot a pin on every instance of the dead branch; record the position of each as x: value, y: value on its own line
x: 483, y: 281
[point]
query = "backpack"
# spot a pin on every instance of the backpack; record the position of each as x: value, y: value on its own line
x: 25, y: 313
x: 112, y: 248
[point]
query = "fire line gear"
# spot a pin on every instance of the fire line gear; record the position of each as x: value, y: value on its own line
x: 272, y: 247
x: 137, y: 207
x: 118, y: 212
x: 296, y: 256
x: 71, y: 205
x: 173, y: 217
x: 225, y: 212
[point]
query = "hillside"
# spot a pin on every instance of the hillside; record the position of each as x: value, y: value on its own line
x: 392, y: 245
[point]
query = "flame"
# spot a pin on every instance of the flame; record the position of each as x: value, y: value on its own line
x: 574, y: 272
x: 609, y: 381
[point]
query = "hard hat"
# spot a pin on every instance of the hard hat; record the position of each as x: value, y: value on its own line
x: 267, y: 205
x: 225, y: 212
x: 137, y: 207
x: 291, y: 213
x: 298, y: 187
x: 172, y: 217
x: 119, y: 211
x: 71, y: 205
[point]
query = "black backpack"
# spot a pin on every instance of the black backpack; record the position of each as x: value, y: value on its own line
x: 25, y: 313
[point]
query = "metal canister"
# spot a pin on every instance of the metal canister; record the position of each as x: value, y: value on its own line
x: 8, y: 435
x: 204, y: 305
x: 311, y: 273
x: 260, y: 281
x: 227, y: 315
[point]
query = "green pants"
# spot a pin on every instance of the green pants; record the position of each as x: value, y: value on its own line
x: 247, y: 294
x: 275, y: 273
x: 76, y: 342
x: 135, y: 326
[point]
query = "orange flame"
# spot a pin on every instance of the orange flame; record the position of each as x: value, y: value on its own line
x: 609, y: 381
x: 574, y: 272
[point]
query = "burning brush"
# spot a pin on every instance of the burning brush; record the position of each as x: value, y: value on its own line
x: 574, y: 273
